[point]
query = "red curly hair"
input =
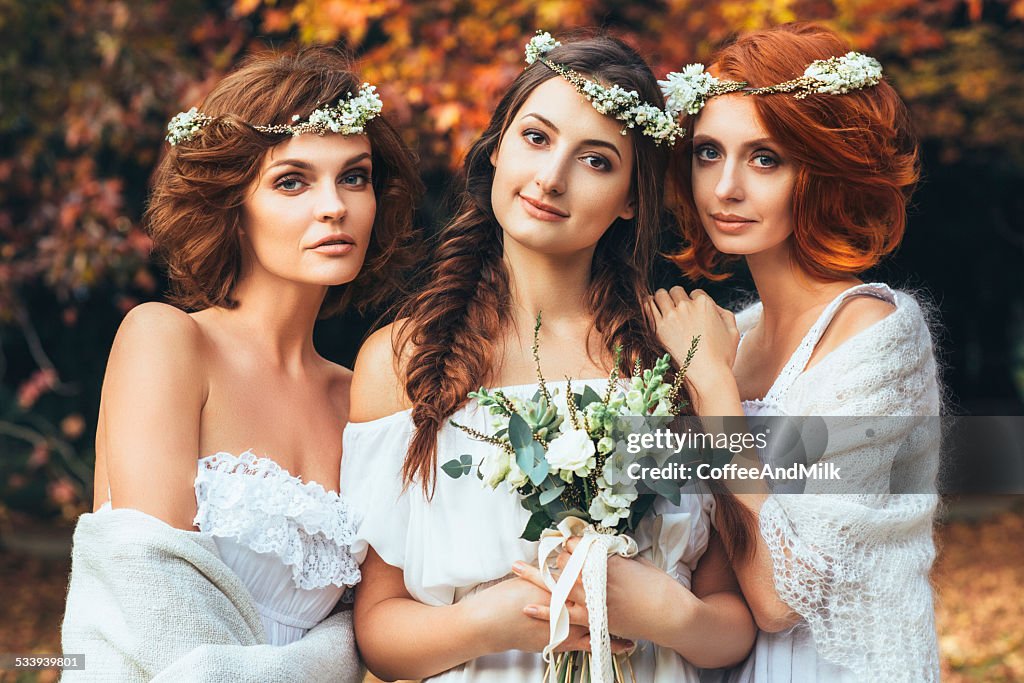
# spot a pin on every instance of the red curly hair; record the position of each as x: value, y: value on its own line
x: 857, y: 157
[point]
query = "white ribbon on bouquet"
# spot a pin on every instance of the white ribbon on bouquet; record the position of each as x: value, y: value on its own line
x: 589, y: 560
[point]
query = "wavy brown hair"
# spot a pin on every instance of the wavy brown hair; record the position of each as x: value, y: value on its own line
x: 857, y: 158
x: 195, y: 211
x: 453, y: 323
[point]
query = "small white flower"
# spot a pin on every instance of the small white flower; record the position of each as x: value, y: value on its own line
x: 635, y: 402
x: 687, y: 90
x: 664, y: 408
x: 184, y: 126
x: 572, y: 452
x: 606, y: 445
x: 840, y: 75
x: 610, y: 508
x: 516, y: 477
x: 540, y: 45
x: 495, y: 467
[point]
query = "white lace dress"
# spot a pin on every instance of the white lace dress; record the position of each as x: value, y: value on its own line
x: 288, y: 540
x: 467, y: 537
x: 879, y: 618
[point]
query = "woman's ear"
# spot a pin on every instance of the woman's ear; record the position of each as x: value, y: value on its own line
x: 629, y: 210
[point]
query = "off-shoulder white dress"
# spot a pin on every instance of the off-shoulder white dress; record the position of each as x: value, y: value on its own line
x: 467, y: 537
x: 286, y: 539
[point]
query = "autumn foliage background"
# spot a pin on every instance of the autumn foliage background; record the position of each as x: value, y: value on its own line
x: 86, y: 89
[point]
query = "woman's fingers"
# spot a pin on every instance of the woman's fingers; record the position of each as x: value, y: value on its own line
x: 579, y: 641
x: 563, y: 559
x: 578, y: 613
x: 679, y: 295
x: 651, y: 311
x: 529, y: 573
x: 664, y: 302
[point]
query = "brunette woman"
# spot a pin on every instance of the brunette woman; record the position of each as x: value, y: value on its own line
x: 283, y: 198
x: 560, y: 214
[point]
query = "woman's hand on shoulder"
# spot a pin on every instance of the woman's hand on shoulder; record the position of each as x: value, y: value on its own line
x: 679, y: 316
x: 153, y: 395
x: 378, y: 385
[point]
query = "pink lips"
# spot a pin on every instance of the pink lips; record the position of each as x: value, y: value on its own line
x: 731, y: 223
x: 337, y: 244
x: 542, y: 211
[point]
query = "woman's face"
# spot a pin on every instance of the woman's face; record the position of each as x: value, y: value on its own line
x: 562, y: 173
x: 742, y: 180
x: 310, y: 214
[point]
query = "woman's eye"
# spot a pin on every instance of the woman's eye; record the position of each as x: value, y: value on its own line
x: 707, y: 153
x: 289, y: 184
x: 357, y: 179
x: 596, y: 161
x: 535, y: 137
x: 765, y: 161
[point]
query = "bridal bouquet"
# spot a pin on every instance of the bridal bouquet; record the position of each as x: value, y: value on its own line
x: 564, y: 455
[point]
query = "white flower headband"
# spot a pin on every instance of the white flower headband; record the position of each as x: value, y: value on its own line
x: 623, y: 105
x: 348, y: 116
x: 688, y: 90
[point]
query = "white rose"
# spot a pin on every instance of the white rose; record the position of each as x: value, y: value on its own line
x: 572, y: 452
x: 608, y: 508
x: 494, y: 467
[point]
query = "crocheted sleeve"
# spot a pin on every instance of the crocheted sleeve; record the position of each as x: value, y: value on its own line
x: 855, y: 565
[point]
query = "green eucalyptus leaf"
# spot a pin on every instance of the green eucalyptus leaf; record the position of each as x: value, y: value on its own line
x: 519, y: 433
x: 589, y: 396
x: 454, y: 468
x: 539, y: 521
x: 539, y: 472
x: 551, y: 495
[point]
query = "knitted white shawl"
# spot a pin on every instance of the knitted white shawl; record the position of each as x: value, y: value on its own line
x: 856, y: 567
x: 151, y: 602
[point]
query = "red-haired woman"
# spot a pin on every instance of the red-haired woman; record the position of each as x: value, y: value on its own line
x: 560, y: 214
x: 218, y: 541
x: 801, y: 161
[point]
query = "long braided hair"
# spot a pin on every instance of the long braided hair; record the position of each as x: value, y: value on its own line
x: 451, y: 325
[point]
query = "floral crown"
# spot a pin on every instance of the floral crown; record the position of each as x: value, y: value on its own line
x: 688, y: 90
x: 624, y: 105
x: 348, y: 116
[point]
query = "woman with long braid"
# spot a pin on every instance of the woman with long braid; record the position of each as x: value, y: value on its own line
x: 560, y: 214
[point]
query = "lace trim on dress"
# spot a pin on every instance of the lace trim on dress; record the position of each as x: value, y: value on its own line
x: 269, y: 510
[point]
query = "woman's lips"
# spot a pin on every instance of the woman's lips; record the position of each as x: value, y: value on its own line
x: 542, y: 211
x: 730, y: 223
x: 334, y: 248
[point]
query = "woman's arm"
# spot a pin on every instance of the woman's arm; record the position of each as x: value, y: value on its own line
x: 400, y: 637
x: 677, y: 317
x: 153, y: 395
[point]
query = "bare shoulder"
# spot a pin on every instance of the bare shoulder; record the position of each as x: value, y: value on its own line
x: 152, y: 400
x: 855, y: 315
x: 160, y: 326
x: 378, y: 385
